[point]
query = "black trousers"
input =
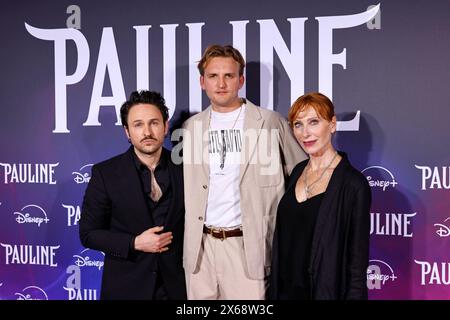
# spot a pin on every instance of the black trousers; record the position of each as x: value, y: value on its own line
x: 160, y: 292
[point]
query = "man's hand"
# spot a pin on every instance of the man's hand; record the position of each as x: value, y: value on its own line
x: 151, y: 241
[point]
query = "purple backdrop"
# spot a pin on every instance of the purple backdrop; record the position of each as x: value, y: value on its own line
x: 66, y: 69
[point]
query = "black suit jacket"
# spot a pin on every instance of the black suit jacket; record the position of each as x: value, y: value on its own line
x: 114, y: 211
x: 340, y: 244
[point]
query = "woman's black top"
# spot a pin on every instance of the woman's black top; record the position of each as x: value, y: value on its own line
x: 296, y: 226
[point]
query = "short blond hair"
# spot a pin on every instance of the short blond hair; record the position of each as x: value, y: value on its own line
x: 216, y: 50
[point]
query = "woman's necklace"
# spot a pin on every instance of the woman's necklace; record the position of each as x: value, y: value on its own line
x: 309, y: 187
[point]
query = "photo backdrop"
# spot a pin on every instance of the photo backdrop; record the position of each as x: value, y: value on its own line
x: 68, y: 66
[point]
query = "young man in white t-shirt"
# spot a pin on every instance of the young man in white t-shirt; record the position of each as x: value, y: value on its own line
x: 236, y: 157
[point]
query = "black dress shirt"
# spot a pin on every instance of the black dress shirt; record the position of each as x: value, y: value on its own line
x: 158, y: 209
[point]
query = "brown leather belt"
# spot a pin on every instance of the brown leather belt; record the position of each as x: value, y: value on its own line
x: 222, y: 234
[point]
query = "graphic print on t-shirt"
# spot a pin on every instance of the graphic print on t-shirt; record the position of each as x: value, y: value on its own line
x: 224, y: 142
x: 230, y: 138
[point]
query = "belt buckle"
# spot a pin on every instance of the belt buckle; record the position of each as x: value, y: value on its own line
x: 219, y: 231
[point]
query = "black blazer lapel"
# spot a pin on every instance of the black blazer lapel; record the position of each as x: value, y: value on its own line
x: 323, y: 216
x: 130, y: 184
x: 176, y: 182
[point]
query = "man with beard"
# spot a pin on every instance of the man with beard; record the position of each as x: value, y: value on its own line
x: 133, y: 209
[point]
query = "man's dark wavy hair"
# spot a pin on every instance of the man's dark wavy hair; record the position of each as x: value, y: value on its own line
x: 144, y: 96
